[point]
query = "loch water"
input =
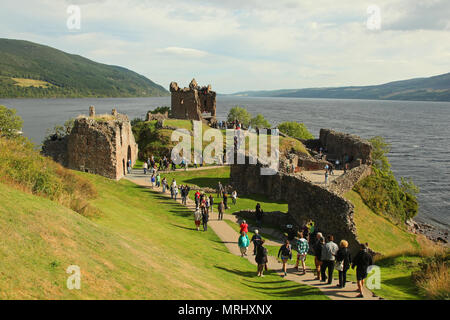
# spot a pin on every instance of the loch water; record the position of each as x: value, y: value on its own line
x: 419, y: 132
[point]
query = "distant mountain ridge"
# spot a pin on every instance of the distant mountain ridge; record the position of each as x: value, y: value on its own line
x: 436, y: 88
x: 30, y: 70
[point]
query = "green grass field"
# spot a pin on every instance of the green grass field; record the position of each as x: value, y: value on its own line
x: 211, y: 177
x: 142, y: 246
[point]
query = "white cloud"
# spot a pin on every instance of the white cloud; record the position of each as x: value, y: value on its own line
x: 238, y: 45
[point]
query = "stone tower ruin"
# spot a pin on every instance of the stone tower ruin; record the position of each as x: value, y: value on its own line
x: 98, y: 144
x: 193, y: 103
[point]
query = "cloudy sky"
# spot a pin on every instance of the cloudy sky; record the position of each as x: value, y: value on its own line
x: 240, y: 45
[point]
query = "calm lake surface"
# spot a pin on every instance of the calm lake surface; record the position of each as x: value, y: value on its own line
x: 418, y: 131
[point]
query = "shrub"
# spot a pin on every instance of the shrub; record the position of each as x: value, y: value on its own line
x: 21, y: 166
x: 239, y: 114
x: 382, y: 193
x: 10, y: 123
x: 259, y: 122
x: 295, y: 130
x: 433, y: 278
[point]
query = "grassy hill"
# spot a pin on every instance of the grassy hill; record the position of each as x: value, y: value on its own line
x: 435, y: 88
x: 32, y: 70
x: 138, y: 245
x: 157, y: 141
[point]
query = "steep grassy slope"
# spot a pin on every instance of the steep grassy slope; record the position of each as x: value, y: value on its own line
x: 143, y: 246
x: 31, y: 70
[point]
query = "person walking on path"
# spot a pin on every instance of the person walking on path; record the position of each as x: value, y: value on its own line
x: 225, y: 200
x: 286, y: 254
x: 197, y: 199
x: 302, y: 248
x: 329, y: 252
x: 259, y: 215
x: 129, y: 166
x: 326, y: 177
x: 164, y: 184
x: 343, y: 261
x: 219, y: 190
x: 244, y: 227
x: 234, y: 197
x: 197, y: 218
x: 175, y: 192
x: 211, y: 203
x: 153, y: 180
x: 362, y: 262
x: 318, y: 248
x: 261, y: 258
x: 207, y: 204
x: 221, y: 209
x: 243, y: 243
x: 158, y: 180
x: 145, y: 166
x: 256, y: 240
x: 205, y: 218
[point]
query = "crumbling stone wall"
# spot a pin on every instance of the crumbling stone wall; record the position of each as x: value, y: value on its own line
x: 342, y: 145
x: 331, y: 213
x: 346, y: 182
x: 190, y: 103
x: 100, y: 145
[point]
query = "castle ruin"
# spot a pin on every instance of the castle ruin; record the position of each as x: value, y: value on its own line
x: 193, y: 103
x: 325, y: 205
x: 100, y: 145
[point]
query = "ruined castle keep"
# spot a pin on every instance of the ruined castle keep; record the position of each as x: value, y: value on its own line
x: 193, y: 103
x: 325, y: 205
x: 96, y: 144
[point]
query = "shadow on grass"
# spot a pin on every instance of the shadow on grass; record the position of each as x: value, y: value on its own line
x: 183, y: 227
x: 290, y: 290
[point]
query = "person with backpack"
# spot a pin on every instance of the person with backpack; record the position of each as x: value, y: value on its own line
x: 362, y: 262
x: 343, y: 261
x: 256, y: 240
x: 243, y: 243
x: 302, y: 248
x: 286, y: 254
x: 205, y: 218
x: 261, y: 257
x: 318, y: 247
x: 328, y: 258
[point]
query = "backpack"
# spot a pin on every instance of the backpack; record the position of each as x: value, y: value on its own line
x: 285, y: 251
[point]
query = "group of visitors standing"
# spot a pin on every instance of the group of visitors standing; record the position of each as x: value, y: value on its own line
x: 330, y: 256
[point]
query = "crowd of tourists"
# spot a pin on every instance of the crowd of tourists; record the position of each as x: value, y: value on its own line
x: 327, y: 254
